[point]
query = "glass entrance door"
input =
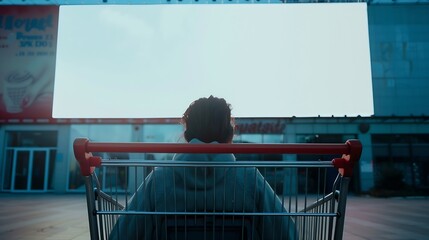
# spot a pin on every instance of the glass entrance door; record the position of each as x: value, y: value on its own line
x: 30, y: 169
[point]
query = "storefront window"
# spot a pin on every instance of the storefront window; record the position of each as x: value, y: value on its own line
x: 104, y: 133
x: 259, y: 138
x: 275, y: 177
x: 170, y: 133
x: 29, y: 161
x: 7, y: 172
x: 162, y: 133
x: 31, y: 139
x: 312, y: 176
x: 401, y: 162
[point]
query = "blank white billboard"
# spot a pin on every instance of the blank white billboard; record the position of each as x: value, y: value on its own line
x: 266, y: 60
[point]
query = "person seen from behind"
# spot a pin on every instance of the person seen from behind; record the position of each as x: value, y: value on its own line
x: 205, y: 189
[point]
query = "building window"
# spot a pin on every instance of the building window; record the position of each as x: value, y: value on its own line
x: 401, y: 162
x: 102, y: 133
x: 312, y: 176
x: 29, y: 161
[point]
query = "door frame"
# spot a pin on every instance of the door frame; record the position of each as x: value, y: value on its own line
x: 31, y: 151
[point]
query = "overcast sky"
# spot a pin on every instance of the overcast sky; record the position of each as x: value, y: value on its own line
x: 267, y: 60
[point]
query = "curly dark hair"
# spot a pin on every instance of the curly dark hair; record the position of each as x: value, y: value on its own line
x: 208, y: 120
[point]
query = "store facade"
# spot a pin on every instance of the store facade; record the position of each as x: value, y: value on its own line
x: 36, y: 153
x: 39, y: 158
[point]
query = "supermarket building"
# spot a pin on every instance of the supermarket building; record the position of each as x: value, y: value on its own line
x: 37, y: 156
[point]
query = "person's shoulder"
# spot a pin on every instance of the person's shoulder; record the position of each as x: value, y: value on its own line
x: 188, y: 156
x: 180, y: 156
x: 223, y: 157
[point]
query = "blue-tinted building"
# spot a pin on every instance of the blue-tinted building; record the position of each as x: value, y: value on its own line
x: 38, y: 156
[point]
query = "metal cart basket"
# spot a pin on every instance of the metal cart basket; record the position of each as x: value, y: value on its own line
x: 130, y: 196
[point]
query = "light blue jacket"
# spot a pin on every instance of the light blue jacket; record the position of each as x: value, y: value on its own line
x: 170, y: 189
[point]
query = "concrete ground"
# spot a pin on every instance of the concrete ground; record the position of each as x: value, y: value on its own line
x: 57, y: 217
x: 387, y: 218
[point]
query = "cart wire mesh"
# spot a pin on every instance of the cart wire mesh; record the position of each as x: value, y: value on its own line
x: 136, y: 198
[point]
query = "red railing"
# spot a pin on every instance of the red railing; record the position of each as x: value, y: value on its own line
x: 350, y: 151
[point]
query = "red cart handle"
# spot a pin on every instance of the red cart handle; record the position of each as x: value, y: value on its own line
x: 351, y: 151
x: 346, y: 163
x: 86, y: 161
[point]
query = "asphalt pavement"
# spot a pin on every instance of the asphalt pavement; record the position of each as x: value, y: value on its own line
x: 64, y: 216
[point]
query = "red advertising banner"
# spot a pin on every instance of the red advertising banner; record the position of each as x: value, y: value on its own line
x: 28, y: 40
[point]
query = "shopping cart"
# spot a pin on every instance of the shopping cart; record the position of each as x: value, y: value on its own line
x: 126, y: 192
